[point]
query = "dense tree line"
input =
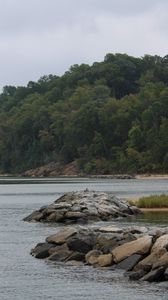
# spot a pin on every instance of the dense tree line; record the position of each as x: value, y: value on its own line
x: 108, y: 117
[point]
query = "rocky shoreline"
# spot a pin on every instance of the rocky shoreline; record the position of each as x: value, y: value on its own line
x: 141, y: 253
x: 82, y: 207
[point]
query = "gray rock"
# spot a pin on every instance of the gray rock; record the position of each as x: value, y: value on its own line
x: 41, y: 250
x: 61, y: 205
x: 56, y: 216
x: 81, y: 243
x: 106, y: 242
x: 154, y: 275
x: 130, y: 262
x: 76, y: 256
x: 166, y: 274
x: 129, y: 237
x: 135, y: 210
x: 61, y: 253
x: 137, y: 275
x: 35, y: 216
x: 42, y: 208
x: 74, y: 215
x: 138, y: 230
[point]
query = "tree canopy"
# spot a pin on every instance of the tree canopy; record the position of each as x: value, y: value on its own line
x: 109, y: 117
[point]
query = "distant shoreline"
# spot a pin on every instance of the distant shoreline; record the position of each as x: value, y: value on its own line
x: 99, y: 176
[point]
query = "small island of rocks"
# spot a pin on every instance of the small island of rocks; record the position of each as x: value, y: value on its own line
x: 84, y: 206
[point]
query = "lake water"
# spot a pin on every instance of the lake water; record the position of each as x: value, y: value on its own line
x: 23, y: 277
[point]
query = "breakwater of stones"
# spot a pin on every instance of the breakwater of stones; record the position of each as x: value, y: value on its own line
x: 140, y: 252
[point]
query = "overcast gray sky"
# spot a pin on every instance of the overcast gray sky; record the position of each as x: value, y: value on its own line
x: 41, y: 37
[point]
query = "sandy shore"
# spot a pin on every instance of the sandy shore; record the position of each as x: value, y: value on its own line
x: 146, y: 210
x: 151, y: 176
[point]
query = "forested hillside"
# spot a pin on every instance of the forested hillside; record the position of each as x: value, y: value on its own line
x: 111, y: 117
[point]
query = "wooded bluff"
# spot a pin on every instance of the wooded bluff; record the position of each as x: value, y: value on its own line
x: 110, y: 117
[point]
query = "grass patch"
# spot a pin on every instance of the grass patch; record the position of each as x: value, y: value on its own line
x: 153, y: 201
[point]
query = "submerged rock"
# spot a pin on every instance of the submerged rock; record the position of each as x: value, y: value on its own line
x: 84, y: 206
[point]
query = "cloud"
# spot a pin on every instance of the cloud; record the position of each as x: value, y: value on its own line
x: 47, y: 36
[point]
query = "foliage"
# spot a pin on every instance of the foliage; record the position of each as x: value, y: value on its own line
x: 109, y: 117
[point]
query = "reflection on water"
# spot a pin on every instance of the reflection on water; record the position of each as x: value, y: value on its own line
x: 148, y: 219
x: 154, y: 217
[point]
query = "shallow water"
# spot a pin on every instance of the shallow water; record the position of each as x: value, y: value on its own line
x: 23, y: 277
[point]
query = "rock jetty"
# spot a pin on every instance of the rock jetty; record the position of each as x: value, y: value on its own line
x: 141, y: 253
x: 84, y: 206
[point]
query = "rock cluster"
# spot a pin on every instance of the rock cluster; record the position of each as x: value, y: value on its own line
x: 143, y: 254
x: 84, y: 206
x: 53, y: 169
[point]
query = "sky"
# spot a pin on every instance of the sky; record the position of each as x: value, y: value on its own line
x: 42, y: 37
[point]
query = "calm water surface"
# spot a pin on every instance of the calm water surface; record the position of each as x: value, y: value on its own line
x: 24, y: 278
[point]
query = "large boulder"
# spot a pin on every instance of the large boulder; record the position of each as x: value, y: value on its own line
x: 140, y: 246
x: 83, y: 206
x: 82, y: 242
x: 161, y: 262
x: 161, y: 242
x: 61, y: 237
x: 150, y: 260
